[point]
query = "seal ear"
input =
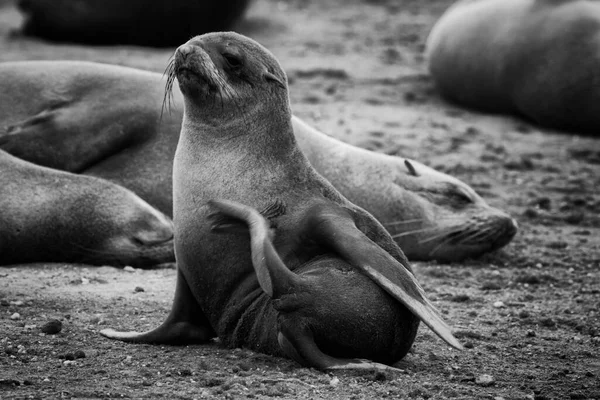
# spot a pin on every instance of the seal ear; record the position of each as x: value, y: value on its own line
x: 335, y: 227
x: 411, y: 168
x: 269, y: 76
x: 274, y: 277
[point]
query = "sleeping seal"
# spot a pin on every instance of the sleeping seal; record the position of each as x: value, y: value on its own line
x: 141, y: 22
x: 535, y: 58
x: 105, y: 121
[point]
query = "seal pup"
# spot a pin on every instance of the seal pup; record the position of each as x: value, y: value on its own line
x: 158, y: 23
x: 54, y: 216
x: 535, y: 58
x: 105, y: 121
x: 288, y: 294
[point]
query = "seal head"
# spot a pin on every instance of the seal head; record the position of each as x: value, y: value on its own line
x: 75, y: 218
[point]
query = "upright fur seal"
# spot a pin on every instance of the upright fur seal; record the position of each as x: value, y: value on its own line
x: 536, y: 58
x: 53, y: 216
x: 105, y: 121
x: 287, y: 295
x: 142, y: 22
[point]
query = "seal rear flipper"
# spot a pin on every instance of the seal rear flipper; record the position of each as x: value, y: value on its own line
x: 334, y: 226
x: 297, y: 342
x: 224, y: 221
x: 273, y: 276
x: 186, y: 324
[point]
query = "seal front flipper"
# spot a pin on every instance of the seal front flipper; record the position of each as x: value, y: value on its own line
x: 333, y: 225
x: 54, y: 138
x: 185, y: 324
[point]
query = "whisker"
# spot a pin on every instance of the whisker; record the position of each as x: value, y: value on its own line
x: 441, y: 235
x: 407, y: 221
x: 423, y: 230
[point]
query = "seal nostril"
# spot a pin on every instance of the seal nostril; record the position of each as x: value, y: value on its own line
x: 184, y: 51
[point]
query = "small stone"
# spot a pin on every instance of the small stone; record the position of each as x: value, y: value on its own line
x: 16, y: 303
x: 52, y: 327
x: 129, y: 268
x: 499, y: 304
x: 531, y: 213
x: 547, y: 322
x: 69, y: 356
x: 557, y: 245
x: 15, y: 316
x: 485, y: 380
x: 138, y: 289
x: 79, y: 354
x: 530, y: 333
x: 334, y: 382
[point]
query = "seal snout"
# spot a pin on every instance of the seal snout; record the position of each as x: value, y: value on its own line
x: 195, y: 70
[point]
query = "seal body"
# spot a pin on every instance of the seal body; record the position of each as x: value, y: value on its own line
x: 518, y: 56
x: 106, y: 121
x: 142, y: 22
x: 54, y: 216
x: 279, y: 285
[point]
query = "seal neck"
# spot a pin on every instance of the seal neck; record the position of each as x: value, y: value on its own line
x: 260, y: 130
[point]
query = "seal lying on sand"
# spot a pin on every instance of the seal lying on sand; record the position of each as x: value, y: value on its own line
x: 105, y: 121
x: 536, y: 58
x: 141, y: 22
x: 237, y: 143
x: 53, y: 216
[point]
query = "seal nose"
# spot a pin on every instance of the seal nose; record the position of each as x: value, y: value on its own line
x: 184, y: 51
x: 154, y: 232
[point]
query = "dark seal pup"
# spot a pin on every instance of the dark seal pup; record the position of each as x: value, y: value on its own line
x: 142, y: 22
x: 536, y: 58
x: 54, y: 216
x: 105, y: 121
x: 328, y: 286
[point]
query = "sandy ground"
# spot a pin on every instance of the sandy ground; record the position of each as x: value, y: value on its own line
x: 528, y: 315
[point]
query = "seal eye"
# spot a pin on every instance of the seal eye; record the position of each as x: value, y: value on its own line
x: 460, y: 196
x: 232, y: 60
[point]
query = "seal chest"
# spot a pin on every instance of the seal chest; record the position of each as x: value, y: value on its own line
x: 317, y: 270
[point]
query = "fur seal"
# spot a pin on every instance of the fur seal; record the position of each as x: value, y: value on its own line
x: 106, y: 121
x: 535, y: 58
x: 283, y: 291
x: 54, y: 216
x: 156, y: 23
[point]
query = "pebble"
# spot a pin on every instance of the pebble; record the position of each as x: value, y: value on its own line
x: 499, y: 304
x: 129, y: 268
x: 530, y: 333
x: 485, y: 380
x: 52, y: 327
x: 334, y: 382
x: 138, y: 289
x: 15, y: 316
x: 16, y: 303
x: 79, y: 354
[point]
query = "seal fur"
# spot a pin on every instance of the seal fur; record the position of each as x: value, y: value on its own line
x: 106, y: 121
x: 534, y: 58
x: 282, y: 292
